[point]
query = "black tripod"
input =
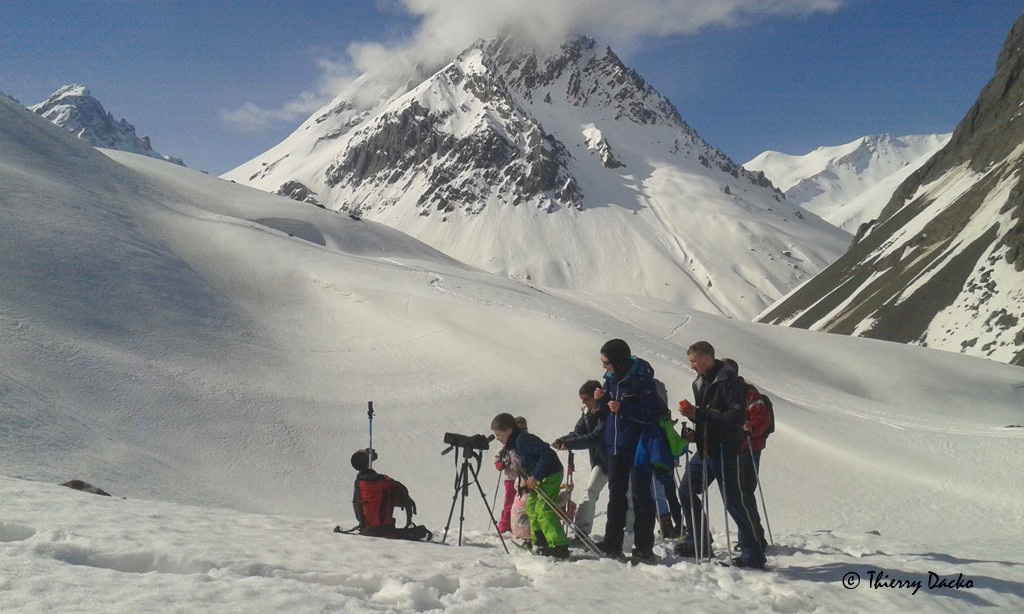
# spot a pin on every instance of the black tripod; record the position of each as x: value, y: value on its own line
x: 462, y: 476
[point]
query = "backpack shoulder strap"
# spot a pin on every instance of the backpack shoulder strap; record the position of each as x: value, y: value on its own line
x: 402, y: 499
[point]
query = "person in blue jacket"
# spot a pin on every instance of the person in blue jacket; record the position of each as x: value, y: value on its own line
x: 630, y: 395
x: 543, y: 471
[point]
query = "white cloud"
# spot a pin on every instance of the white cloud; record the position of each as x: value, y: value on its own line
x: 251, y: 117
x: 621, y: 23
x: 448, y: 26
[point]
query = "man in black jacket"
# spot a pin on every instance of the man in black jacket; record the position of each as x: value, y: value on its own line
x: 719, y: 414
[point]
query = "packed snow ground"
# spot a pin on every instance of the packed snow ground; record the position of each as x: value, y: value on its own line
x: 206, y: 352
x: 67, y: 551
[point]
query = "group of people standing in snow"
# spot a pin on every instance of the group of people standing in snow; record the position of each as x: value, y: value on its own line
x: 621, y: 416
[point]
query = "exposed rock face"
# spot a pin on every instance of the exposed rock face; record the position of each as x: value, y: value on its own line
x: 85, y: 487
x: 296, y: 190
x: 73, y: 108
x: 942, y: 265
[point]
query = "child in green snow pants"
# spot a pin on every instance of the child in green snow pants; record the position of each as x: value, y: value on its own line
x: 543, y: 519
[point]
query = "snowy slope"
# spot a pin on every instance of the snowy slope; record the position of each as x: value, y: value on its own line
x: 565, y: 170
x: 942, y: 265
x: 73, y: 108
x: 183, y: 341
x: 847, y: 185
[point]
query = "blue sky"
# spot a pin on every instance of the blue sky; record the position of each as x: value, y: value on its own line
x: 805, y: 74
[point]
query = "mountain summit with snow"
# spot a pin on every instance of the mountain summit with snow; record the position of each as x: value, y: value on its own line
x: 562, y: 169
x: 942, y: 266
x: 73, y: 108
x: 848, y: 185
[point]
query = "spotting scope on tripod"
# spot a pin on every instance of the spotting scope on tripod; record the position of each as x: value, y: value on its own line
x: 472, y: 448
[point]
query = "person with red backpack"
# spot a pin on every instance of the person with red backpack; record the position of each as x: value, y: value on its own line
x: 759, y: 424
x: 718, y: 415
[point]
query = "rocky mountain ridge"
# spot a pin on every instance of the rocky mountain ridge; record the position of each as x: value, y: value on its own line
x: 75, y: 109
x: 942, y: 266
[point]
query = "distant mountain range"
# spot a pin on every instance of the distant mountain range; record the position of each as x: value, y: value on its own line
x: 73, y: 108
x: 943, y: 265
x: 562, y: 169
x: 848, y: 185
x: 567, y: 170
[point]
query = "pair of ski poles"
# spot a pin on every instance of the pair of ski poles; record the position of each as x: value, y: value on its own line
x: 703, y: 543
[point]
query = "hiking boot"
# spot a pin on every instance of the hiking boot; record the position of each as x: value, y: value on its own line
x: 612, y: 551
x: 643, y: 556
x: 741, y: 562
x: 557, y: 552
x: 764, y: 546
x: 667, y: 529
x: 685, y: 550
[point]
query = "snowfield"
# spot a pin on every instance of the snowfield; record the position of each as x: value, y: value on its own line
x: 67, y: 551
x: 205, y: 352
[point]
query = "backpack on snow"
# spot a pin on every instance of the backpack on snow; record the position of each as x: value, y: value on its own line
x: 378, y: 497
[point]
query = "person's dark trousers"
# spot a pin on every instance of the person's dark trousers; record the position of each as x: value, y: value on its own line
x: 624, y: 478
x: 742, y: 508
x: 748, y: 481
x: 693, y: 483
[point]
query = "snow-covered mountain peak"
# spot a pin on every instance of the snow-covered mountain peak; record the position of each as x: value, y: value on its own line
x: 848, y: 184
x: 75, y: 109
x: 520, y: 161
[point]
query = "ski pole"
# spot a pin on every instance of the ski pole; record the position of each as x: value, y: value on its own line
x: 589, y: 543
x: 570, y: 469
x: 693, y: 512
x: 725, y: 499
x: 496, y: 486
x: 757, y: 479
x: 706, y: 550
x: 369, y: 412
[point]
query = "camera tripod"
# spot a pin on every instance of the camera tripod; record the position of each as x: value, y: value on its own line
x: 462, y: 482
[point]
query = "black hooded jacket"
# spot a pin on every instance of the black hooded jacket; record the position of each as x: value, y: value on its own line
x: 720, y: 411
x: 589, y: 434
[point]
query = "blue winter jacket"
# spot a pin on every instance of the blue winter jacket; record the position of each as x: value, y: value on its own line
x: 638, y: 410
x: 536, y: 457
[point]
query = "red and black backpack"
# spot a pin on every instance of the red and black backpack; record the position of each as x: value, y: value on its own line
x: 377, y: 496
